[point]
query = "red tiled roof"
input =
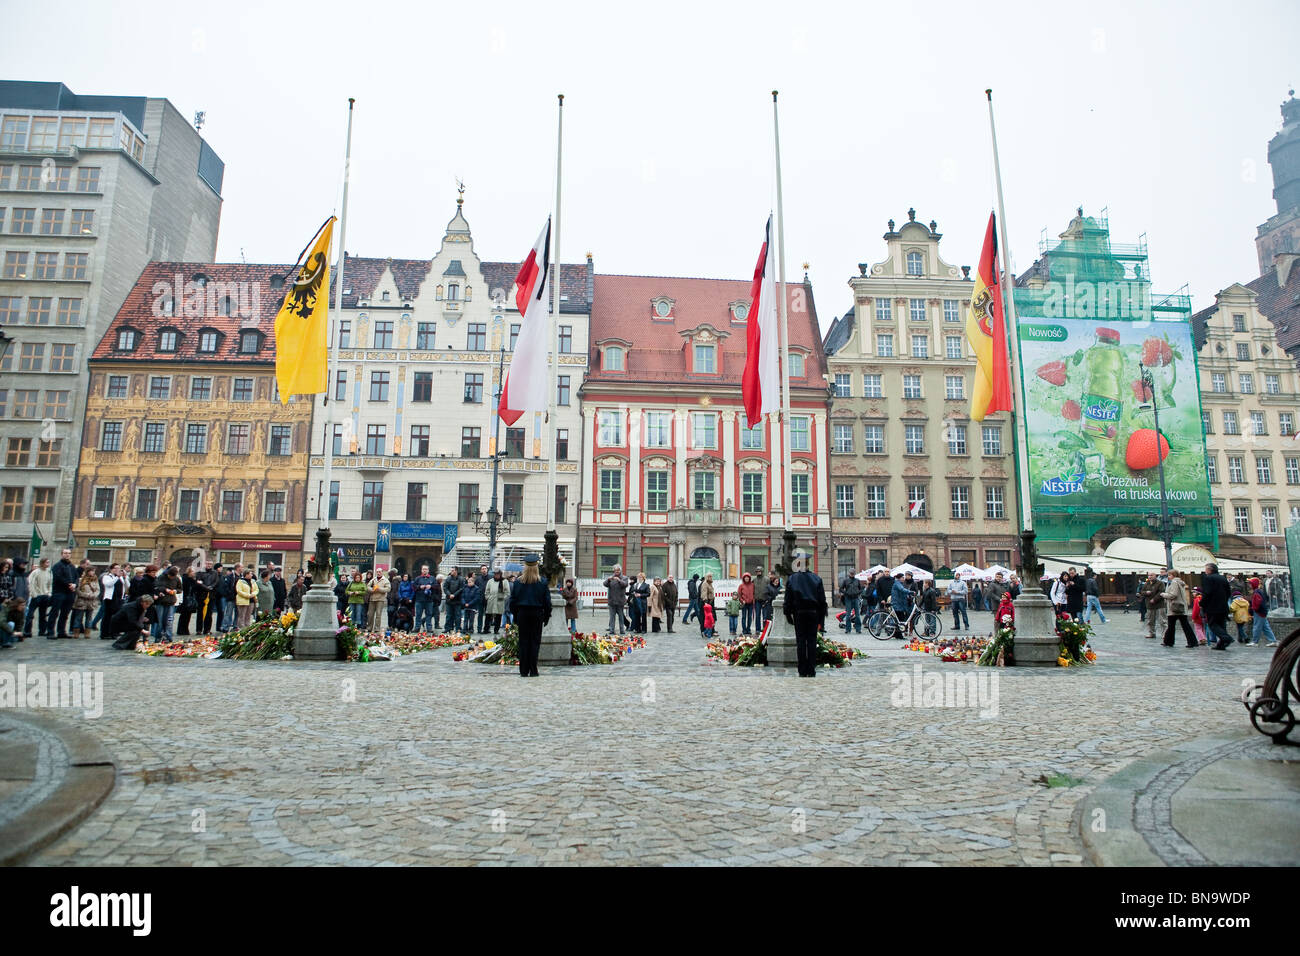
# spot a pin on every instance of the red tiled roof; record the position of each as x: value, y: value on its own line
x: 1281, y: 304
x: 621, y: 310
x: 254, y: 303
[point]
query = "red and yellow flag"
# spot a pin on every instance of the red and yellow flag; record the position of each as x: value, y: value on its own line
x: 986, y: 328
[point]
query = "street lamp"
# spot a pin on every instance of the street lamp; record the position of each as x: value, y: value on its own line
x: 6, y: 340
x: 493, y: 522
x: 1167, y: 523
x: 1165, y: 527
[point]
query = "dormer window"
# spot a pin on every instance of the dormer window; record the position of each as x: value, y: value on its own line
x: 226, y: 305
x: 385, y: 296
x: 705, y: 358
x: 739, y: 311
x: 250, y: 342
x: 209, y: 340
x: 796, y: 365
x: 613, y: 359
x: 168, y: 340
x: 200, y: 279
x: 661, y: 308
x: 127, y: 339
x: 915, y: 264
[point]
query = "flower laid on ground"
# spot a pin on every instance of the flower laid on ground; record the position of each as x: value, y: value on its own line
x: 199, y: 647
x: 1000, y: 651
x: 603, y: 649
x: 950, y: 648
x: 401, y: 643
x: 750, y: 652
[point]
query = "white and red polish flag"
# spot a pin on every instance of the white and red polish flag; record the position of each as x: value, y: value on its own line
x: 761, y: 385
x: 525, y: 388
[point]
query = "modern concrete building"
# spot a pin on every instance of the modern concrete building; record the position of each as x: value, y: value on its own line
x: 912, y: 477
x: 419, y: 354
x: 187, y: 447
x: 92, y: 188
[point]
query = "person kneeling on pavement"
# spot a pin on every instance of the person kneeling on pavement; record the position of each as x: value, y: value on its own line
x: 132, y: 623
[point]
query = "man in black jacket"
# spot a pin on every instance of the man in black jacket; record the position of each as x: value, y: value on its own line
x: 64, y: 591
x: 805, y: 608
x: 205, y: 592
x: 692, y: 598
x: 669, y: 595
x: 131, y: 623
x: 452, y: 585
x: 279, y: 589
x: 1215, y: 595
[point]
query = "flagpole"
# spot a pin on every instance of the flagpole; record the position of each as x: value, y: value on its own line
x: 332, y: 356
x: 555, y: 319
x: 1013, y: 330
x: 787, y: 491
x: 550, y: 566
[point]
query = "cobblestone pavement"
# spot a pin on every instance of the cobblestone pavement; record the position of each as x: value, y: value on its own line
x: 658, y: 759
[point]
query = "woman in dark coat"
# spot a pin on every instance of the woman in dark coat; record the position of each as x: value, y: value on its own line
x: 570, y: 594
x: 531, y: 601
x: 1074, y: 596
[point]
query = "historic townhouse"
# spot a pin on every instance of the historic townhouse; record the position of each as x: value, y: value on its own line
x: 187, y: 446
x: 1250, y: 396
x: 912, y: 477
x: 91, y: 189
x: 421, y: 343
x: 672, y: 479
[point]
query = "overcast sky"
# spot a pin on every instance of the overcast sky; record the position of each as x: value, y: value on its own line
x: 1160, y: 111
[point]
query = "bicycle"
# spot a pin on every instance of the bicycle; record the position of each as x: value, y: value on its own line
x: 884, y: 625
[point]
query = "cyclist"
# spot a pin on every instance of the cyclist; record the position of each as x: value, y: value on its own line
x: 900, y: 601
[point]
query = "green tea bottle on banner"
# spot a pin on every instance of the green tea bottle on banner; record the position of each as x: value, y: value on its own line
x: 1101, y: 402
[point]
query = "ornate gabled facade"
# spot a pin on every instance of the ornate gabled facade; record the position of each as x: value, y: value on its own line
x: 912, y: 477
x: 419, y: 361
x: 187, y: 447
x: 672, y: 479
x: 1250, y: 399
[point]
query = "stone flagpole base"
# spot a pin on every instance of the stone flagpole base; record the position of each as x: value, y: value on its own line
x: 1036, y: 643
x: 557, y: 645
x: 781, y: 649
x: 315, y: 637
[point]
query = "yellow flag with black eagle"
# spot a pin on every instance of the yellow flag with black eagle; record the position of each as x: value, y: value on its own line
x: 302, y: 324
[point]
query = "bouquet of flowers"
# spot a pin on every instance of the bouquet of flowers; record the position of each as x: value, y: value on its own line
x: 1001, y: 647
x: 1074, y: 636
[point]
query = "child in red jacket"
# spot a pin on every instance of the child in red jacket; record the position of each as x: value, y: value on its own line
x: 709, y: 620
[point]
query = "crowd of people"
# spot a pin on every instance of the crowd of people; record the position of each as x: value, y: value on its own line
x: 904, y: 591
x: 1203, y: 612
x: 640, y: 605
x: 127, y: 605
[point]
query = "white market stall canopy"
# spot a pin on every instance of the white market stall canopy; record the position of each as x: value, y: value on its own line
x: 1140, y: 555
x: 966, y: 570
x: 919, y: 573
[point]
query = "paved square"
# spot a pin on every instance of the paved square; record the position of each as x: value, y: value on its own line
x: 658, y: 759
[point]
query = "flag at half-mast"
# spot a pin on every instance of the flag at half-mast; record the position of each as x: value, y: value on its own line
x: 761, y: 384
x: 302, y: 325
x: 526, y: 387
x: 986, y: 328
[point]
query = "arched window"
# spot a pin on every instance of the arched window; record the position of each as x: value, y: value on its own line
x: 613, y: 359
x: 914, y: 264
x: 453, y: 292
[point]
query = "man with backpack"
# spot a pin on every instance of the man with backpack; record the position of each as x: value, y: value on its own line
x: 1259, y: 608
x: 692, y: 598
x: 1215, y: 595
